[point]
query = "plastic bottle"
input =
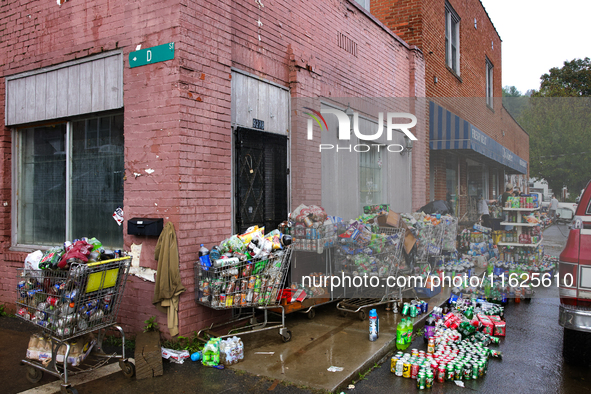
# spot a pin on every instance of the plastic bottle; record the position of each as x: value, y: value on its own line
x: 374, y: 325
x: 408, y: 332
x: 400, y: 342
x: 429, y: 328
x: 204, y: 257
x: 203, y: 251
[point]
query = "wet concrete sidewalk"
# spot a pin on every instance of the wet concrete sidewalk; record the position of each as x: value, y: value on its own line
x: 327, y: 340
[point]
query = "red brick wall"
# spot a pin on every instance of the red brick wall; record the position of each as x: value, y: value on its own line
x: 177, y: 113
x: 422, y: 23
x: 38, y: 34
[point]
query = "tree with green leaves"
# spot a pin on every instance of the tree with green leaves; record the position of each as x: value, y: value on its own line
x: 514, y: 101
x: 571, y: 80
x: 560, y: 140
x: 558, y: 120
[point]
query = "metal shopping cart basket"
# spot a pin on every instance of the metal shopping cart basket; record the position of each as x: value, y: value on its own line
x: 388, y: 264
x: 68, y: 306
x: 244, y: 286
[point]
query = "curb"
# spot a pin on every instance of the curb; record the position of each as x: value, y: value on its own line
x: 381, y: 354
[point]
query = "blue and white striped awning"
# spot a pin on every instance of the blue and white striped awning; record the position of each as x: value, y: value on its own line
x: 448, y: 131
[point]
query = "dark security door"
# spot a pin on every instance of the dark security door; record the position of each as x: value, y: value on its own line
x: 261, y: 179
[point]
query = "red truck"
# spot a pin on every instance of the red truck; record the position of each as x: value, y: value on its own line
x: 575, y: 285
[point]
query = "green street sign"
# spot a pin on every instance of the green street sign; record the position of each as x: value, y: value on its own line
x: 155, y: 54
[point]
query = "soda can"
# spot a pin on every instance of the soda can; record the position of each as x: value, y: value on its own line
x: 405, y: 309
x: 406, y: 369
x: 425, y: 306
x: 474, y: 370
x: 458, y: 372
x: 413, y: 311
x: 414, y: 370
x: 441, y: 373
x: 429, y: 380
x: 399, y: 367
x: 449, y: 372
x: 393, y: 362
x: 480, y: 368
x: 421, y: 381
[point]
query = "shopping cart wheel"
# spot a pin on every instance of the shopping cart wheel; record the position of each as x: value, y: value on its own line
x: 286, y: 336
x: 34, y: 375
x: 362, y: 315
x: 67, y: 389
x: 311, y: 314
x: 127, y: 367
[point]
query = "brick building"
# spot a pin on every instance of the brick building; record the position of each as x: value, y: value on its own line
x: 84, y: 132
x: 475, y: 144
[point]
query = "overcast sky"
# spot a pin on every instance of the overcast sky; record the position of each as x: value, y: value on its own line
x: 538, y: 35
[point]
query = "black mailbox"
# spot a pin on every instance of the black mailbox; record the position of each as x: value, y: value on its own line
x: 145, y: 226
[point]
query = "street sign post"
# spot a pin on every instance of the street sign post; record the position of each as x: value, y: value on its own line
x: 155, y: 54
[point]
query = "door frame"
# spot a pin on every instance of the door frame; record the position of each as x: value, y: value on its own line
x: 234, y: 186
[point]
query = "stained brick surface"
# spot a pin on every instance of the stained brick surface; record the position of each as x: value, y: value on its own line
x: 177, y: 113
x: 422, y: 23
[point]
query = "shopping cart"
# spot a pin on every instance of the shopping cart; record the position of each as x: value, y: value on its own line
x: 67, y: 305
x: 244, y: 286
x: 387, y: 263
x: 313, y: 247
x: 450, y: 234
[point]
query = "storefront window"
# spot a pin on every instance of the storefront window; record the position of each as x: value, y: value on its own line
x: 495, y: 184
x: 451, y: 181
x: 42, y: 186
x: 53, y: 206
x: 370, y: 176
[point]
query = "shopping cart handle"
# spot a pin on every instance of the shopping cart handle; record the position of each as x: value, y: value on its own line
x: 108, y: 261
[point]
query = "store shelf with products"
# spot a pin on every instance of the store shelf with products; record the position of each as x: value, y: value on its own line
x: 520, y: 224
x: 526, y: 232
x: 518, y: 244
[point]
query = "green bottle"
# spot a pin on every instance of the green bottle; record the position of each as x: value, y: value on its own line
x: 400, y: 341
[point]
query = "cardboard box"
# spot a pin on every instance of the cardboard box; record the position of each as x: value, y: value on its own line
x: 487, y: 324
x: 499, y: 329
x: 393, y: 219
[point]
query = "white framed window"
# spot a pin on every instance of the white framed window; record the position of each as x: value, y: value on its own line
x: 489, y: 83
x: 370, y: 175
x: 68, y: 181
x: 452, y: 39
x: 363, y: 3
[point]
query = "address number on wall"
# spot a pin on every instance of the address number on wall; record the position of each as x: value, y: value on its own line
x: 258, y: 124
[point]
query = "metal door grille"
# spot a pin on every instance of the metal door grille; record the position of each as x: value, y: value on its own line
x: 261, y: 179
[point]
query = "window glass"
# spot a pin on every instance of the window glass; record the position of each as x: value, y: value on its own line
x: 451, y: 181
x: 489, y: 83
x: 41, y: 186
x: 370, y: 176
x: 97, y: 178
x: 452, y: 39
x: 95, y: 186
